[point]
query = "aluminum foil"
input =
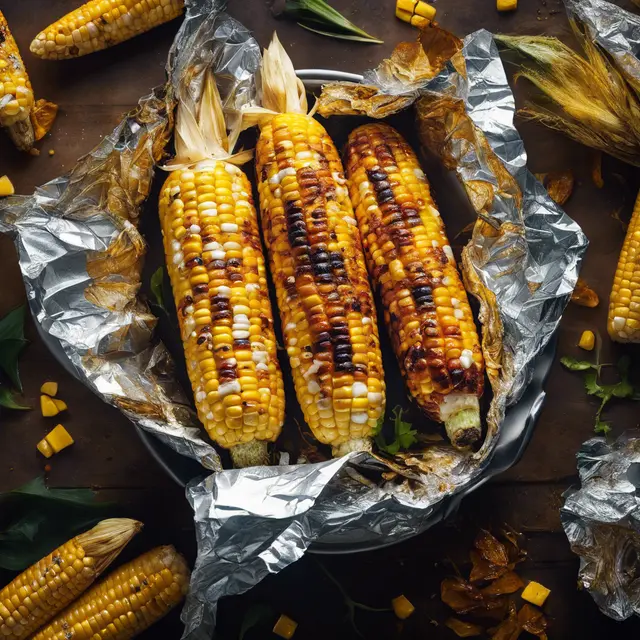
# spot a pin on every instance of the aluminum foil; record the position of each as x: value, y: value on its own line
x: 80, y: 253
x: 602, y: 522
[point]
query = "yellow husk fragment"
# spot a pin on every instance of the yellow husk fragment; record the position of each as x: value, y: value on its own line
x: 201, y: 130
x: 596, y: 106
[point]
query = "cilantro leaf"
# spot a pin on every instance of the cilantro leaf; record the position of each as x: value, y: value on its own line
x: 591, y: 384
x: 577, y: 365
x: 602, y: 427
x: 157, y: 280
x: 404, y: 434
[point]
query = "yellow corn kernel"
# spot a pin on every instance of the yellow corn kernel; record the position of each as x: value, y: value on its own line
x: 6, y: 187
x: 507, y: 5
x: 402, y: 607
x: 48, y: 407
x: 403, y: 15
x: 535, y: 593
x: 285, y: 627
x: 406, y: 5
x: 49, y: 388
x: 587, y: 340
x: 55, y: 441
x: 425, y: 10
x: 61, y: 405
x: 419, y: 21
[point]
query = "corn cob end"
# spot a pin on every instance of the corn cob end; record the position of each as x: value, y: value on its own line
x: 464, y: 428
x: 250, y: 454
x: 107, y: 539
x: 21, y: 134
x: 357, y: 444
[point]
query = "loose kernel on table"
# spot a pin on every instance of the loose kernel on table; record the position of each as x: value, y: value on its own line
x: 6, y: 187
x: 507, y: 5
x: 49, y: 388
x: 48, y: 407
x: 55, y: 441
x: 285, y: 627
x: 402, y: 607
x: 587, y: 340
x: 535, y: 593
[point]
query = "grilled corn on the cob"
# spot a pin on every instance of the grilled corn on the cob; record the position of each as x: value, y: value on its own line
x: 99, y: 24
x: 217, y: 270
x: 624, y: 303
x: 126, y: 602
x: 16, y: 95
x: 411, y: 263
x: 43, y: 590
x: 326, y: 305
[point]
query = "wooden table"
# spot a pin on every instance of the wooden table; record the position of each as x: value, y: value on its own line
x: 92, y: 93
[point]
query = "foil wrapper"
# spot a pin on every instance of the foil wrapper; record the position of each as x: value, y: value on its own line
x: 602, y: 522
x: 80, y: 252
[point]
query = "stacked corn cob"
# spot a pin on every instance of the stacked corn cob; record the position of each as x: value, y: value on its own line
x: 412, y: 265
x: 16, y: 95
x: 624, y: 304
x: 47, y: 587
x: 326, y: 304
x: 125, y: 603
x: 217, y: 270
x: 99, y: 24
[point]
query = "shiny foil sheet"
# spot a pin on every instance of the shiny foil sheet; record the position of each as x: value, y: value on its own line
x: 81, y: 254
x: 602, y: 521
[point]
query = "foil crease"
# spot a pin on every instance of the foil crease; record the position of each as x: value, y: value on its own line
x: 602, y: 522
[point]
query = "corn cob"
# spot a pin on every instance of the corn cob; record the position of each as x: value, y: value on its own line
x: 44, y: 589
x: 100, y: 24
x: 126, y: 602
x: 16, y: 95
x: 217, y: 271
x: 624, y: 303
x: 326, y: 305
x: 412, y: 265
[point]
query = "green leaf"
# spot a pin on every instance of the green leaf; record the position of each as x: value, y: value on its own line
x: 591, y: 384
x: 340, y: 36
x: 404, y: 434
x: 157, y: 285
x: 12, y: 325
x: 255, y: 615
x: 8, y: 400
x: 333, y: 23
x: 577, y: 365
x: 10, y: 350
x: 602, y: 426
x: 34, y: 520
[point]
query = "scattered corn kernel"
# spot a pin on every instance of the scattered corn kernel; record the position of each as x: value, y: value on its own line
x: 535, y: 593
x: 49, y: 388
x: 60, y: 404
x: 507, y: 5
x: 52, y: 152
x: 285, y: 627
x: 419, y: 21
x: 48, y: 407
x: 402, y: 607
x: 403, y: 15
x: 55, y: 441
x: 587, y: 340
x: 425, y: 10
x: 6, y: 187
x: 406, y: 5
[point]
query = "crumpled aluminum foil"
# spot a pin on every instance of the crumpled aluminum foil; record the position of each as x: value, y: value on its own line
x: 602, y: 522
x: 80, y: 253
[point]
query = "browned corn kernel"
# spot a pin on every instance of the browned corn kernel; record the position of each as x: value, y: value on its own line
x: 126, y: 602
x: 48, y: 586
x: 217, y: 271
x: 326, y: 305
x: 16, y: 95
x: 99, y: 24
x: 412, y: 265
x: 624, y: 303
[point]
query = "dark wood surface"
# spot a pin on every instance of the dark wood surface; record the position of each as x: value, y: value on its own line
x: 92, y: 93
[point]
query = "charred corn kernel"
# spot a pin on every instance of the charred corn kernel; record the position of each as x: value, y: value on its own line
x: 126, y: 602
x: 48, y: 406
x: 323, y: 292
x: 535, y: 593
x: 219, y: 281
x: 402, y: 607
x: 285, y: 627
x: 624, y: 304
x: 47, y: 587
x: 587, y: 340
x: 411, y: 264
x: 16, y: 95
x: 55, y: 441
x: 6, y: 188
x: 99, y: 24
x: 61, y: 405
x: 507, y: 5
x: 49, y: 388
x: 425, y: 10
